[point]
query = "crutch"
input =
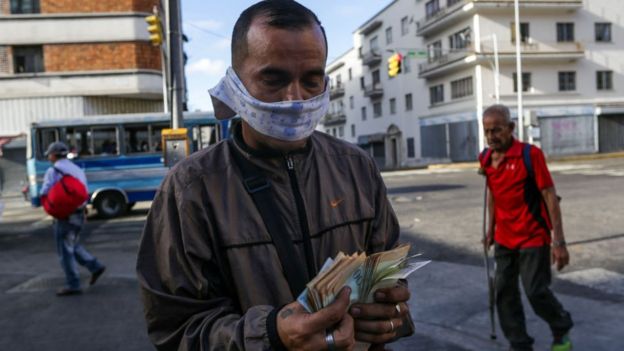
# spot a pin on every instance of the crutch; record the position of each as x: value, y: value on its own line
x: 488, y: 271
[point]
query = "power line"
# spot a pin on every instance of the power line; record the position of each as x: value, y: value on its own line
x: 207, y: 31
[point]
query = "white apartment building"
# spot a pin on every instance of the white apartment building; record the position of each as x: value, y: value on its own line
x: 572, y: 70
x: 72, y: 58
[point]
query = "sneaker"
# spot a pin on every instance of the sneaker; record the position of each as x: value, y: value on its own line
x: 95, y: 275
x: 68, y: 292
x: 562, y: 344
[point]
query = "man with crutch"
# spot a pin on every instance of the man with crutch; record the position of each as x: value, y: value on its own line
x: 526, y: 230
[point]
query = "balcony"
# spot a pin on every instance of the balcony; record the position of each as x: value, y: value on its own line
x: 371, y: 58
x: 532, y: 51
x: 336, y: 91
x: 373, y: 91
x: 335, y: 118
x: 441, y: 19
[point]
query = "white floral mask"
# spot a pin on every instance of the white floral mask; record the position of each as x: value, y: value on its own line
x: 284, y: 120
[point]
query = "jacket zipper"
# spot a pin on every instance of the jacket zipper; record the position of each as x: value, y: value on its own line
x: 303, y: 218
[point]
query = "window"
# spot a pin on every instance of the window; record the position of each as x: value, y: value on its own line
x: 432, y: 7
x: 364, y: 113
x: 350, y: 74
x: 460, y: 40
x: 603, y: 32
x: 203, y: 136
x: 524, y: 32
x: 526, y: 82
x: 461, y: 88
x: 136, y: 139
x: 45, y: 137
x: 27, y: 59
x: 376, y: 77
x: 377, y: 109
x: 341, y: 131
x: 374, y: 44
x: 156, y: 136
x: 351, y: 102
x: 24, y: 6
x: 334, y: 131
x: 404, y: 26
x: 565, y: 31
x: 406, y: 66
x: 338, y: 81
x: 408, y: 102
x: 389, y: 35
x: 567, y: 81
x: 353, y: 130
x: 392, y: 106
x: 362, y: 83
x: 88, y: 141
x: 434, y: 51
x: 411, y: 152
x: 436, y: 94
x: 604, y: 80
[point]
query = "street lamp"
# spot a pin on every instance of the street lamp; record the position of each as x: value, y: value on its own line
x: 519, y: 72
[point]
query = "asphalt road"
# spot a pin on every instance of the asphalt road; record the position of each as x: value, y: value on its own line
x: 439, y: 212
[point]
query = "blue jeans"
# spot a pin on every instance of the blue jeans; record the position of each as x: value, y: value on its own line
x: 70, y: 252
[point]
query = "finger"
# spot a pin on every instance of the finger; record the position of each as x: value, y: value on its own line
x: 374, y: 311
x: 330, y: 315
x: 392, y: 295
x: 344, y: 334
x: 378, y: 326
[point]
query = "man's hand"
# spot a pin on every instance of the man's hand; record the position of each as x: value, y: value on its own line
x: 377, y: 322
x: 560, y: 257
x: 300, y: 330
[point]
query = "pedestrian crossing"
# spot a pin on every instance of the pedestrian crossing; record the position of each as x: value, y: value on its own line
x: 597, y: 278
x: 587, y: 170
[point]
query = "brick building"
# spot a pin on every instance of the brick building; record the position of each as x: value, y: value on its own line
x: 73, y: 58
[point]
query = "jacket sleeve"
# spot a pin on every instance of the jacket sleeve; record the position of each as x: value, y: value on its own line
x: 48, y: 181
x: 186, y: 302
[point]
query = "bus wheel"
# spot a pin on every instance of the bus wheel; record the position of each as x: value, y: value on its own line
x: 110, y: 204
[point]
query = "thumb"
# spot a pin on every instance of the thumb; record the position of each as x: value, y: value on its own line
x: 332, y: 314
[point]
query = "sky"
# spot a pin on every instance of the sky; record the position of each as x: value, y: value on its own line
x: 208, y: 25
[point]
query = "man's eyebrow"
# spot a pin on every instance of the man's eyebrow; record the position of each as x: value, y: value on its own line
x: 316, y: 72
x: 273, y: 71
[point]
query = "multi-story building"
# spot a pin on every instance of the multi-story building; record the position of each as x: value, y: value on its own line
x: 73, y: 58
x: 572, y: 75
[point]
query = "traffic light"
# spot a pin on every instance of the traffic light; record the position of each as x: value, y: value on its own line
x: 155, y: 29
x: 394, y: 65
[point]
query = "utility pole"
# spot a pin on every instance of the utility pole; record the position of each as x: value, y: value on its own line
x: 176, y: 60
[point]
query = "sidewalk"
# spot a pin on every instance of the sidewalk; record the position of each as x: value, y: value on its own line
x: 448, y: 304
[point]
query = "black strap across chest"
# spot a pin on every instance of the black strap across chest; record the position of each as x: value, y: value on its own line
x: 259, y: 188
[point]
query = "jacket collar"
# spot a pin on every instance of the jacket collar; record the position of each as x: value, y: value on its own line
x: 237, y: 137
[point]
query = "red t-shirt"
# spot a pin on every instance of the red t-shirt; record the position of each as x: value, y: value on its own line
x: 515, y: 226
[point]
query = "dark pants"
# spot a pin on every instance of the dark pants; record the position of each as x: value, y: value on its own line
x: 532, y: 265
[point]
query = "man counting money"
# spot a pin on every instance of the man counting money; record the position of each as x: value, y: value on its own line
x: 213, y: 276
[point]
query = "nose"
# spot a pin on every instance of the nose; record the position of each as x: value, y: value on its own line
x: 294, y: 92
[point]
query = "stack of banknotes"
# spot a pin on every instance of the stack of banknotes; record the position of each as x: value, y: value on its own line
x: 363, y: 274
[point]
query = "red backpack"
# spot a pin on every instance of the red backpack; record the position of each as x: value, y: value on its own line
x: 65, y: 197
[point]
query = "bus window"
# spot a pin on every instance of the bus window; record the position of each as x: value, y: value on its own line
x: 156, y: 136
x: 76, y: 140
x: 137, y: 139
x: 104, y: 141
x: 45, y: 137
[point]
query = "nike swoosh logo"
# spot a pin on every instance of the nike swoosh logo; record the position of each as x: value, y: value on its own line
x: 335, y: 203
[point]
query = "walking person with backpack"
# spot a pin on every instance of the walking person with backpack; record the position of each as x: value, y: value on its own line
x: 64, y: 196
x: 526, y: 230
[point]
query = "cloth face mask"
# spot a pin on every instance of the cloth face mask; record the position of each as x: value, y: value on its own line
x: 284, y: 120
